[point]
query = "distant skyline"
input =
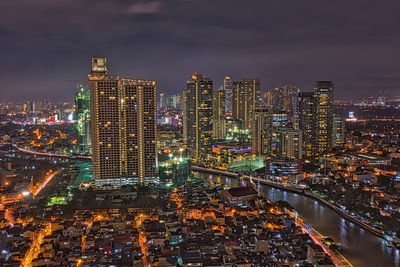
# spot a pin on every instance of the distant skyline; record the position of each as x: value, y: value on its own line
x: 46, y: 44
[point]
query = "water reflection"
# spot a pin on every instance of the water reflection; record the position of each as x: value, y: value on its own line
x: 361, y: 247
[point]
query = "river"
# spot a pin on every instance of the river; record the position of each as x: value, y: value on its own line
x: 362, y: 248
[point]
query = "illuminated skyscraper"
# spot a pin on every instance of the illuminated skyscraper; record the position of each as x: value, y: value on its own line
x: 267, y: 99
x: 30, y: 107
x: 161, y: 101
x: 323, y: 94
x: 82, y: 114
x: 123, y: 128
x: 338, y: 131
x: 246, y: 95
x: 306, y: 122
x: 198, y: 119
x: 290, y: 101
x: 283, y: 99
x: 288, y: 143
x: 185, y: 117
x: 262, y: 130
x: 228, y: 88
x: 219, y: 124
x: 172, y: 101
x: 179, y: 101
x: 164, y: 101
x: 277, y: 97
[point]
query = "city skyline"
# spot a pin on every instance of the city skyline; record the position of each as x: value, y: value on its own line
x: 199, y: 133
x: 282, y: 42
x: 154, y: 169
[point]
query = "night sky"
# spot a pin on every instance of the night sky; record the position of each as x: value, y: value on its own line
x: 46, y: 45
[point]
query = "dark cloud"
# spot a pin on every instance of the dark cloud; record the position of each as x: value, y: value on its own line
x: 152, y: 7
x: 47, y: 43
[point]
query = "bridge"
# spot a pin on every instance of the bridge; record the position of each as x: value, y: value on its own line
x: 46, y: 154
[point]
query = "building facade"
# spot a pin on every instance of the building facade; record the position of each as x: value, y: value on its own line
x: 306, y: 122
x: 287, y: 143
x: 82, y: 115
x: 219, y: 123
x: 283, y: 99
x: 123, y: 127
x: 198, y: 119
x: 184, y: 116
x: 228, y: 88
x: 323, y: 95
x: 338, y: 131
x: 290, y: 101
x: 262, y: 130
x: 282, y: 167
x: 246, y: 95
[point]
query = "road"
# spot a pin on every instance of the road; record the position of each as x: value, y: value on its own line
x: 34, y: 249
x: 50, y: 154
x: 11, y: 198
x: 42, y: 184
x: 8, y: 214
x: 337, y: 258
x: 34, y: 191
x: 142, y: 238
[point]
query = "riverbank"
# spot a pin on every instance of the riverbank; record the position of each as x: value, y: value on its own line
x: 292, y: 189
x: 362, y: 248
x: 365, y: 226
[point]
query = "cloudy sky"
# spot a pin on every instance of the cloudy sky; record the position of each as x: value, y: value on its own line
x: 46, y: 45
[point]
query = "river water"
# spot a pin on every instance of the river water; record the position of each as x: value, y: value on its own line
x: 362, y: 248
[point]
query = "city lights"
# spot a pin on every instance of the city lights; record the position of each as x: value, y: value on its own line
x: 208, y: 133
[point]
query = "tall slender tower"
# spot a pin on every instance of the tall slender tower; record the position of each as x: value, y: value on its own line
x: 323, y: 93
x: 246, y: 95
x: 82, y: 114
x: 306, y: 122
x: 238, y: 101
x: 262, y: 130
x: 278, y: 97
x: 139, y: 130
x: 184, y: 115
x: 219, y: 127
x: 228, y: 88
x: 199, y: 114
x: 290, y: 101
x: 338, y: 131
x: 123, y: 128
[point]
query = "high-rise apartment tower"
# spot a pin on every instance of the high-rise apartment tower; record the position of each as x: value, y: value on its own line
x: 219, y: 124
x: 198, y: 117
x: 323, y: 94
x: 306, y: 122
x: 82, y: 114
x: 228, y: 88
x: 123, y: 128
x: 261, y: 130
x: 246, y: 95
